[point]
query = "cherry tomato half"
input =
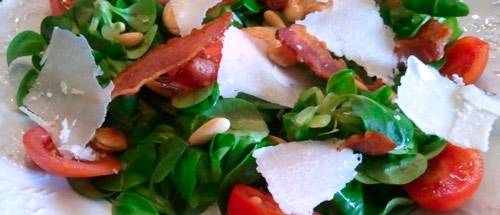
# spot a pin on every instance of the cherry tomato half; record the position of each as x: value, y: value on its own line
x: 245, y: 200
x: 466, y: 57
x: 39, y: 146
x: 58, y: 7
x: 450, y: 180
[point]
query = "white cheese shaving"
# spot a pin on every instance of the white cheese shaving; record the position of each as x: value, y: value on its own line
x: 354, y: 29
x: 245, y: 68
x: 68, y: 64
x: 190, y: 14
x: 463, y: 115
x: 301, y: 175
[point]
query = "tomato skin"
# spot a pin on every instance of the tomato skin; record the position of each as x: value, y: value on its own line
x: 36, y: 141
x: 58, y: 7
x: 450, y: 180
x: 246, y: 200
x: 466, y: 57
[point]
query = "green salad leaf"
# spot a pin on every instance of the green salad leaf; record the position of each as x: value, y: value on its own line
x: 442, y: 8
x: 129, y: 204
x: 26, y: 43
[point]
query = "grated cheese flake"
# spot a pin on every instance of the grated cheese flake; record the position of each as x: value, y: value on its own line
x: 301, y: 175
x: 463, y: 115
x: 354, y: 29
x: 244, y: 67
x: 190, y: 14
x: 68, y: 64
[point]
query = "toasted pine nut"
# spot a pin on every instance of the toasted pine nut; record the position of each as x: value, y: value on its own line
x: 109, y: 140
x: 207, y: 131
x: 263, y: 33
x: 273, y: 19
x: 298, y: 9
x: 281, y: 55
x: 294, y: 10
x: 317, y: 6
x: 169, y: 20
x: 360, y: 85
x: 277, y: 139
x: 130, y: 39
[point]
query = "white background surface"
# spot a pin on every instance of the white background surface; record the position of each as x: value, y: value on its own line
x: 25, y: 189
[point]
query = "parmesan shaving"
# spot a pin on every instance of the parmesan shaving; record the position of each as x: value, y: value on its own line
x: 68, y: 79
x: 190, y: 14
x: 301, y: 175
x: 354, y: 29
x: 463, y: 115
x: 245, y: 68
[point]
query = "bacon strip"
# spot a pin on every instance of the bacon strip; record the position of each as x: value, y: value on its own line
x: 370, y: 143
x: 310, y: 50
x: 428, y: 45
x: 168, y: 57
x: 275, y: 4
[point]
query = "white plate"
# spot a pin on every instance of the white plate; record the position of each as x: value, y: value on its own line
x: 25, y: 189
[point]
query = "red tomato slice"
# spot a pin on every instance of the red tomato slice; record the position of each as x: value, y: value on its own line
x: 245, y: 200
x: 466, y: 57
x: 37, y: 143
x: 58, y: 7
x: 450, y: 180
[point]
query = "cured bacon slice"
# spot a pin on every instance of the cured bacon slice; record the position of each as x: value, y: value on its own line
x: 275, y: 4
x: 428, y: 45
x: 310, y: 50
x: 370, y: 143
x: 169, y: 57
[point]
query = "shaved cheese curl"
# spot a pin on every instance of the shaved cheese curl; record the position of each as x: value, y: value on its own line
x: 167, y: 57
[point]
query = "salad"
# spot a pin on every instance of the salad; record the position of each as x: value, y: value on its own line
x: 182, y: 125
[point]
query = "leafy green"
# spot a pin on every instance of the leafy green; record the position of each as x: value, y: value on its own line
x: 342, y: 83
x: 25, y: 86
x: 184, y: 175
x: 393, y: 169
x: 130, y: 204
x: 50, y: 22
x: 452, y: 24
x: 141, y: 16
x: 138, y: 165
x: 26, y: 43
x: 359, y: 199
x: 85, y: 187
x: 394, y: 125
x: 405, y: 23
x: 139, y: 50
x: 244, y: 117
x: 442, y: 8
x: 169, y: 153
x: 197, y: 100
x: 160, y: 203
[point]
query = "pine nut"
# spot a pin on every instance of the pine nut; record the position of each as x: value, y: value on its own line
x: 131, y: 39
x: 273, y: 19
x: 298, y: 9
x: 360, y: 85
x: 109, y: 140
x: 294, y: 10
x: 317, y: 6
x: 277, y: 139
x: 169, y: 20
x: 281, y: 55
x: 207, y: 131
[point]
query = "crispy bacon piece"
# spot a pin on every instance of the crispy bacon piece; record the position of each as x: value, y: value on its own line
x: 370, y: 143
x: 310, y: 50
x: 169, y: 57
x: 428, y: 45
x: 275, y: 4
